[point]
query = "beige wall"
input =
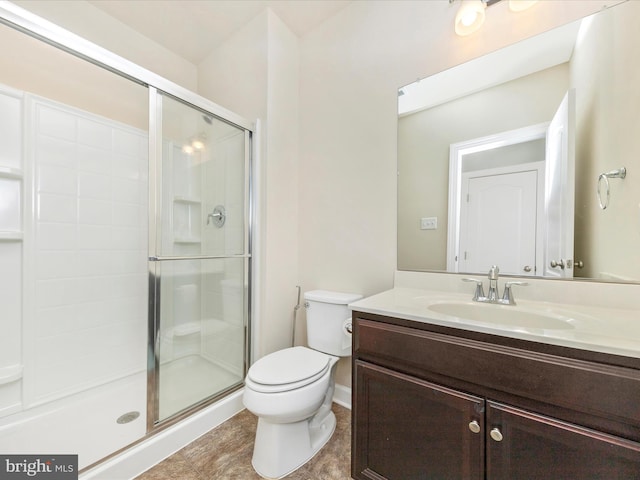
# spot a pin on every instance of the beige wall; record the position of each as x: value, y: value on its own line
x: 35, y: 67
x: 94, y: 25
x: 607, y: 120
x: 424, y: 139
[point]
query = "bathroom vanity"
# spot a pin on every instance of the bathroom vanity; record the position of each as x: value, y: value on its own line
x: 438, y: 397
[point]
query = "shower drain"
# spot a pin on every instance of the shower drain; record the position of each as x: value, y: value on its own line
x: 128, y: 417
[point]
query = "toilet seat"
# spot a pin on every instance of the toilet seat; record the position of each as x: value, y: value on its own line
x: 287, y: 369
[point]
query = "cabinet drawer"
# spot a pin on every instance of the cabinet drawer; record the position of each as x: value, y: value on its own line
x: 601, y: 390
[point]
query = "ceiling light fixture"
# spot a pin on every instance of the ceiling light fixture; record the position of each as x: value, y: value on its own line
x: 470, y: 16
x: 520, y: 5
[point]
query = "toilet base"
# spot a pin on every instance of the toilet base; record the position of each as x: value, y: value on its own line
x: 282, y: 448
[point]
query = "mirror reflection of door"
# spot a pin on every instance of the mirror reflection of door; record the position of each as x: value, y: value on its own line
x: 496, y: 203
x: 560, y: 191
x: 512, y: 199
x: 499, y: 219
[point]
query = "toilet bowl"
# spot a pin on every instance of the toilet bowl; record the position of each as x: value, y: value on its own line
x: 294, y: 419
x: 291, y: 390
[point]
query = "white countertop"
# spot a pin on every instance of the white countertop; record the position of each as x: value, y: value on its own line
x: 596, y: 328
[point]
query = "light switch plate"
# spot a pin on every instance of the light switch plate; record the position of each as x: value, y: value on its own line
x: 428, y: 223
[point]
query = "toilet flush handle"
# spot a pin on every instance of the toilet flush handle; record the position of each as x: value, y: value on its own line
x: 348, y: 327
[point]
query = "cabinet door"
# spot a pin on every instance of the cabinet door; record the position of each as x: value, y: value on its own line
x: 525, y: 446
x: 405, y: 428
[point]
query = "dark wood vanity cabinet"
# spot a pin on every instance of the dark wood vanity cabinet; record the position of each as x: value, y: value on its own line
x: 412, y: 429
x: 435, y: 403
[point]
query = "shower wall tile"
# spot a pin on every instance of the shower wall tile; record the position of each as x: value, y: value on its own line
x: 94, y: 212
x: 53, y: 151
x: 56, y: 123
x: 91, y: 185
x: 125, y: 238
x: 126, y: 166
x: 88, y: 316
x: 57, y: 179
x: 94, y: 160
x: 125, y: 190
x: 94, y: 134
x: 129, y: 144
x: 92, y: 315
x: 51, y: 264
x: 128, y: 262
x: 91, y: 262
x: 55, y: 292
x: 127, y: 214
x: 94, y: 237
x: 56, y: 236
x: 56, y: 208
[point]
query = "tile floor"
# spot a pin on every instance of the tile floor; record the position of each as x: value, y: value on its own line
x: 224, y: 453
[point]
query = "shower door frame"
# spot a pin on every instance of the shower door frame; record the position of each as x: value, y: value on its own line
x: 37, y: 27
x: 155, y: 259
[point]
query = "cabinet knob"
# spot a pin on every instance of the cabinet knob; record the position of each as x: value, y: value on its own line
x: 474, y: 426
x: 496, y: 434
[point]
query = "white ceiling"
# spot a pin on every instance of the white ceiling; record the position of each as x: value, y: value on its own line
x: 193, y: 28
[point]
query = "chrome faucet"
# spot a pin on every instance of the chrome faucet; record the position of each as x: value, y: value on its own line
x: 494, y: 273
x: 493, y: 296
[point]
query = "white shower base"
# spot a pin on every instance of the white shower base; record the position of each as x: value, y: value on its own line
x: 83, y: 424
x: 86, y: 423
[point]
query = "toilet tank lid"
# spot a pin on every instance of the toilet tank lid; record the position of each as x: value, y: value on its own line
x: 326, y: 296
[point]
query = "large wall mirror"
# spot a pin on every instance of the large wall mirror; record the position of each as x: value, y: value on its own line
x: 528, y: 158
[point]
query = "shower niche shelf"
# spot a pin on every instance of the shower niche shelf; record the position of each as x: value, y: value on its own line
x: 10, y: 236
x: 182, y: 199
x: 10, y: 374
x: 186, y: 240
x: 187, y: 213
x: 12, y: 173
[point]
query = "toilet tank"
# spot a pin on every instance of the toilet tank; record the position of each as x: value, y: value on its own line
x: 327, y: 319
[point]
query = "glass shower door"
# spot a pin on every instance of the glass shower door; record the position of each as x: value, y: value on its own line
x: 199, y: 259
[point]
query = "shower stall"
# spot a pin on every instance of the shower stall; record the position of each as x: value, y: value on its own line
x: 125, y: 247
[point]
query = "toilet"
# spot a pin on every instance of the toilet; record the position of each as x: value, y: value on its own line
x: 291, y: 390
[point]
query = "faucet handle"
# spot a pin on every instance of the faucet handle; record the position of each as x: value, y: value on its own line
x: 494, y: 272
x: 479, y: 293
x: 507, y: 296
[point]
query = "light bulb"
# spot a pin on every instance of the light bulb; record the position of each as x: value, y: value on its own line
x: 197, y: 144
x: 520, y: 5
x: 470, y: 17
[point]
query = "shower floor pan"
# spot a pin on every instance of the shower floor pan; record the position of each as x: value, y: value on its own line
x: 84, y: 423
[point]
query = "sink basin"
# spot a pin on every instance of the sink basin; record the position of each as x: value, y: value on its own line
x: 503, y: 315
